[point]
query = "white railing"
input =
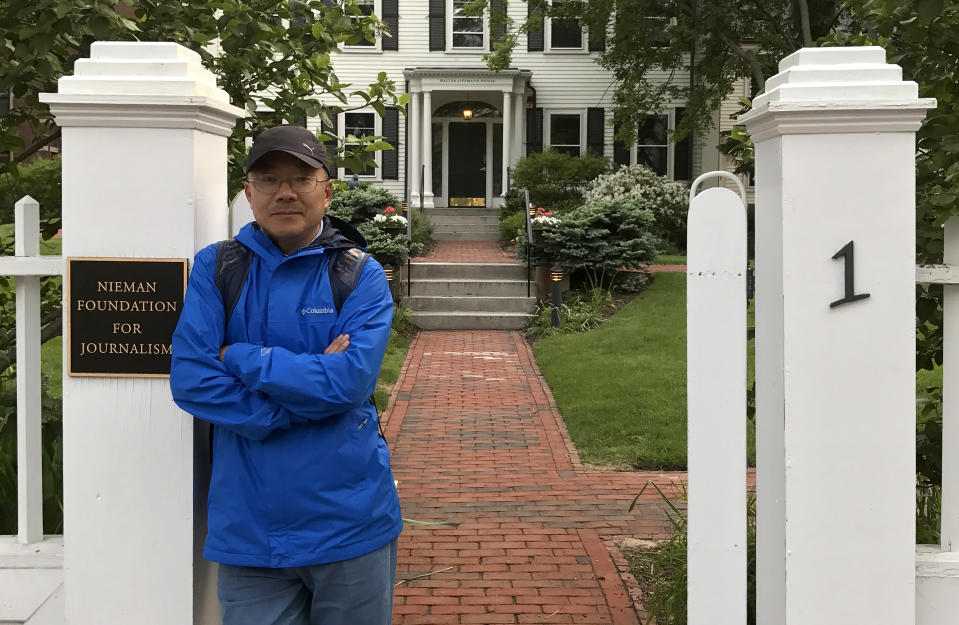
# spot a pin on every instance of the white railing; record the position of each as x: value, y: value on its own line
x: 27, y: 267
x: 948, y: 276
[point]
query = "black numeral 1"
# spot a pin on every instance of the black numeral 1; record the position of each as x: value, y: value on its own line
x: 849, y: 259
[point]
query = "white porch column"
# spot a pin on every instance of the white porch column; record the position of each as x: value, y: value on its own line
x: 413, y: 118
x: 835, y: 339
x: 519, y: 125
x: 427, y: 149
x: 144, y: 175
x: 507, y: 136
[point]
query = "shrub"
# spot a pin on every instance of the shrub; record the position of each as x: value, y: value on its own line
x: 669, y: 201
x: 556, y: 180
x: 580, y: 312
x: 422, y: 232
x: 510, y: 226
x: 361, y: 204
x: 40, y: 179
x: 601, y: 237
x: 388, y: 249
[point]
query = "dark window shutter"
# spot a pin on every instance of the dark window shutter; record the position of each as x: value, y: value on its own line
x: 595, y: 129
x: 437, y: 25
x: 683, y: 153
x: 332, y: 143
x: 534, y: 130
x: 498, y: 6
x: 620, y: 150
x: 534, y: 38
x: 597, y: 39
x: 391, y: 133
x: 391, y: 17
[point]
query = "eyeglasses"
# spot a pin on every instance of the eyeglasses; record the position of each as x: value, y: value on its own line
x: 271, y: 184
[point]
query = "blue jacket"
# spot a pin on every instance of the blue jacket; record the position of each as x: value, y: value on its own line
x: 301, y: 475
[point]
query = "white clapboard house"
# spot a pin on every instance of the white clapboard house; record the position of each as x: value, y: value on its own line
x: 467, y: 125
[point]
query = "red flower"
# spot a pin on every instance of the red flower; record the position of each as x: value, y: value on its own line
x: 540, y: 209
x: 548, y: 214
x: 389, y: 209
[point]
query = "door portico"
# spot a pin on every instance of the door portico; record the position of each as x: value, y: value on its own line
x: 431, y: 89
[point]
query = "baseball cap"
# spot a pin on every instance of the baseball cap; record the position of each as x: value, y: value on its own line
x: 294, y: 140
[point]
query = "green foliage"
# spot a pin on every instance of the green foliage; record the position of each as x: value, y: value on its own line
x: 389, y: 249
x: 422, y: 232
x: 40, y: 179
x: 738, y: 145
x: 510, y: 226
x: 651, y: 38
x: 601, y: 237
x: 667, y: 200
x: 274, y: 55
x: 361, y: 204
x: 662, y: 572
x: 556, y: 180
x: 580, y: 312
x: 631, y: 282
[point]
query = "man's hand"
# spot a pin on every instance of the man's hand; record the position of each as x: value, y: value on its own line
x: 338, y: 345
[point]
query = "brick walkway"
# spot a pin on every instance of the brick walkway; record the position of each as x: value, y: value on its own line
x: 467, y: 252
x: 477, y: 439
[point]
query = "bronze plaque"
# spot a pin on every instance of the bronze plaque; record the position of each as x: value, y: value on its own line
x: 122, y: 313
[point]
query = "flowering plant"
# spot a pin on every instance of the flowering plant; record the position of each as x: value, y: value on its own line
x: 389, y: 218
x: 543, y: 218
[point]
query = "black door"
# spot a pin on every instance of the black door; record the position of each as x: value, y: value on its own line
x: 467, y: 167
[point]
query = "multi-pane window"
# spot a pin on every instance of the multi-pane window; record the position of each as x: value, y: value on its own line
x: 565, y: 33
x: 564, y: 133
x: 367, y: 9
x: 468, y: 32
x: 359, y: 125
x: 652, y: 145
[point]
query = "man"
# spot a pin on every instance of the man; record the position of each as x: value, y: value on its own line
x: 303, y: 511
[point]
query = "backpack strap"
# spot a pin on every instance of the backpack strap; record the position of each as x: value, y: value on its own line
x: 233, y: 260
x: 346, y: 267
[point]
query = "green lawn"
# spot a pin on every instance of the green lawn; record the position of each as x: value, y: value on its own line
x: 669, y: 259
x: 621, y: 388
x: 392, y: 363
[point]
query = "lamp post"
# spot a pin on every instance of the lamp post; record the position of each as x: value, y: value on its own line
x: 555, y: 276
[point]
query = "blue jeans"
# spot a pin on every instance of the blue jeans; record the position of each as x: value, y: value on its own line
x: 352, y: 592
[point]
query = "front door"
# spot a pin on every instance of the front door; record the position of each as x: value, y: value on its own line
x: 467, y: 164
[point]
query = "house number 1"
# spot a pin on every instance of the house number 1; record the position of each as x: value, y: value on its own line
x: 850, y: 265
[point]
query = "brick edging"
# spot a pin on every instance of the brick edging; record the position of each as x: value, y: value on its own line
x: 392, y: 417
x: 545, y: 402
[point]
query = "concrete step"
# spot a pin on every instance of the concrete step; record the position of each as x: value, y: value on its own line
x: 466, y: 228
x: 476, y: 305
x: 464, y: 271
x: 464, y: 220
x: 466, y: 236
x: 471, y: 321
x: 457, y: 211
x: 469, y: 287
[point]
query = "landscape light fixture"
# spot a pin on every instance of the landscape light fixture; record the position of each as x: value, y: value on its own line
x: 556, y: 276
x: 389, y: 273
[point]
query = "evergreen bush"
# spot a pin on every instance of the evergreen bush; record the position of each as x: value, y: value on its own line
x: 361, y: 204
x: 599, y: 238
x: 668, y: 200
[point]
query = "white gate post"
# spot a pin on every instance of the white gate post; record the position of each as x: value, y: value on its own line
x: 716, y: 404
x: 144, y: 175
x: 835, y: 378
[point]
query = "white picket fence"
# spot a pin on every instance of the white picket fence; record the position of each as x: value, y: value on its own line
x: 28, y: 267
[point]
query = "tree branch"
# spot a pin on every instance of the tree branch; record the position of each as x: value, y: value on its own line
x: 49, y: 331
x: 37, y: 146
x: 749, y: 57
